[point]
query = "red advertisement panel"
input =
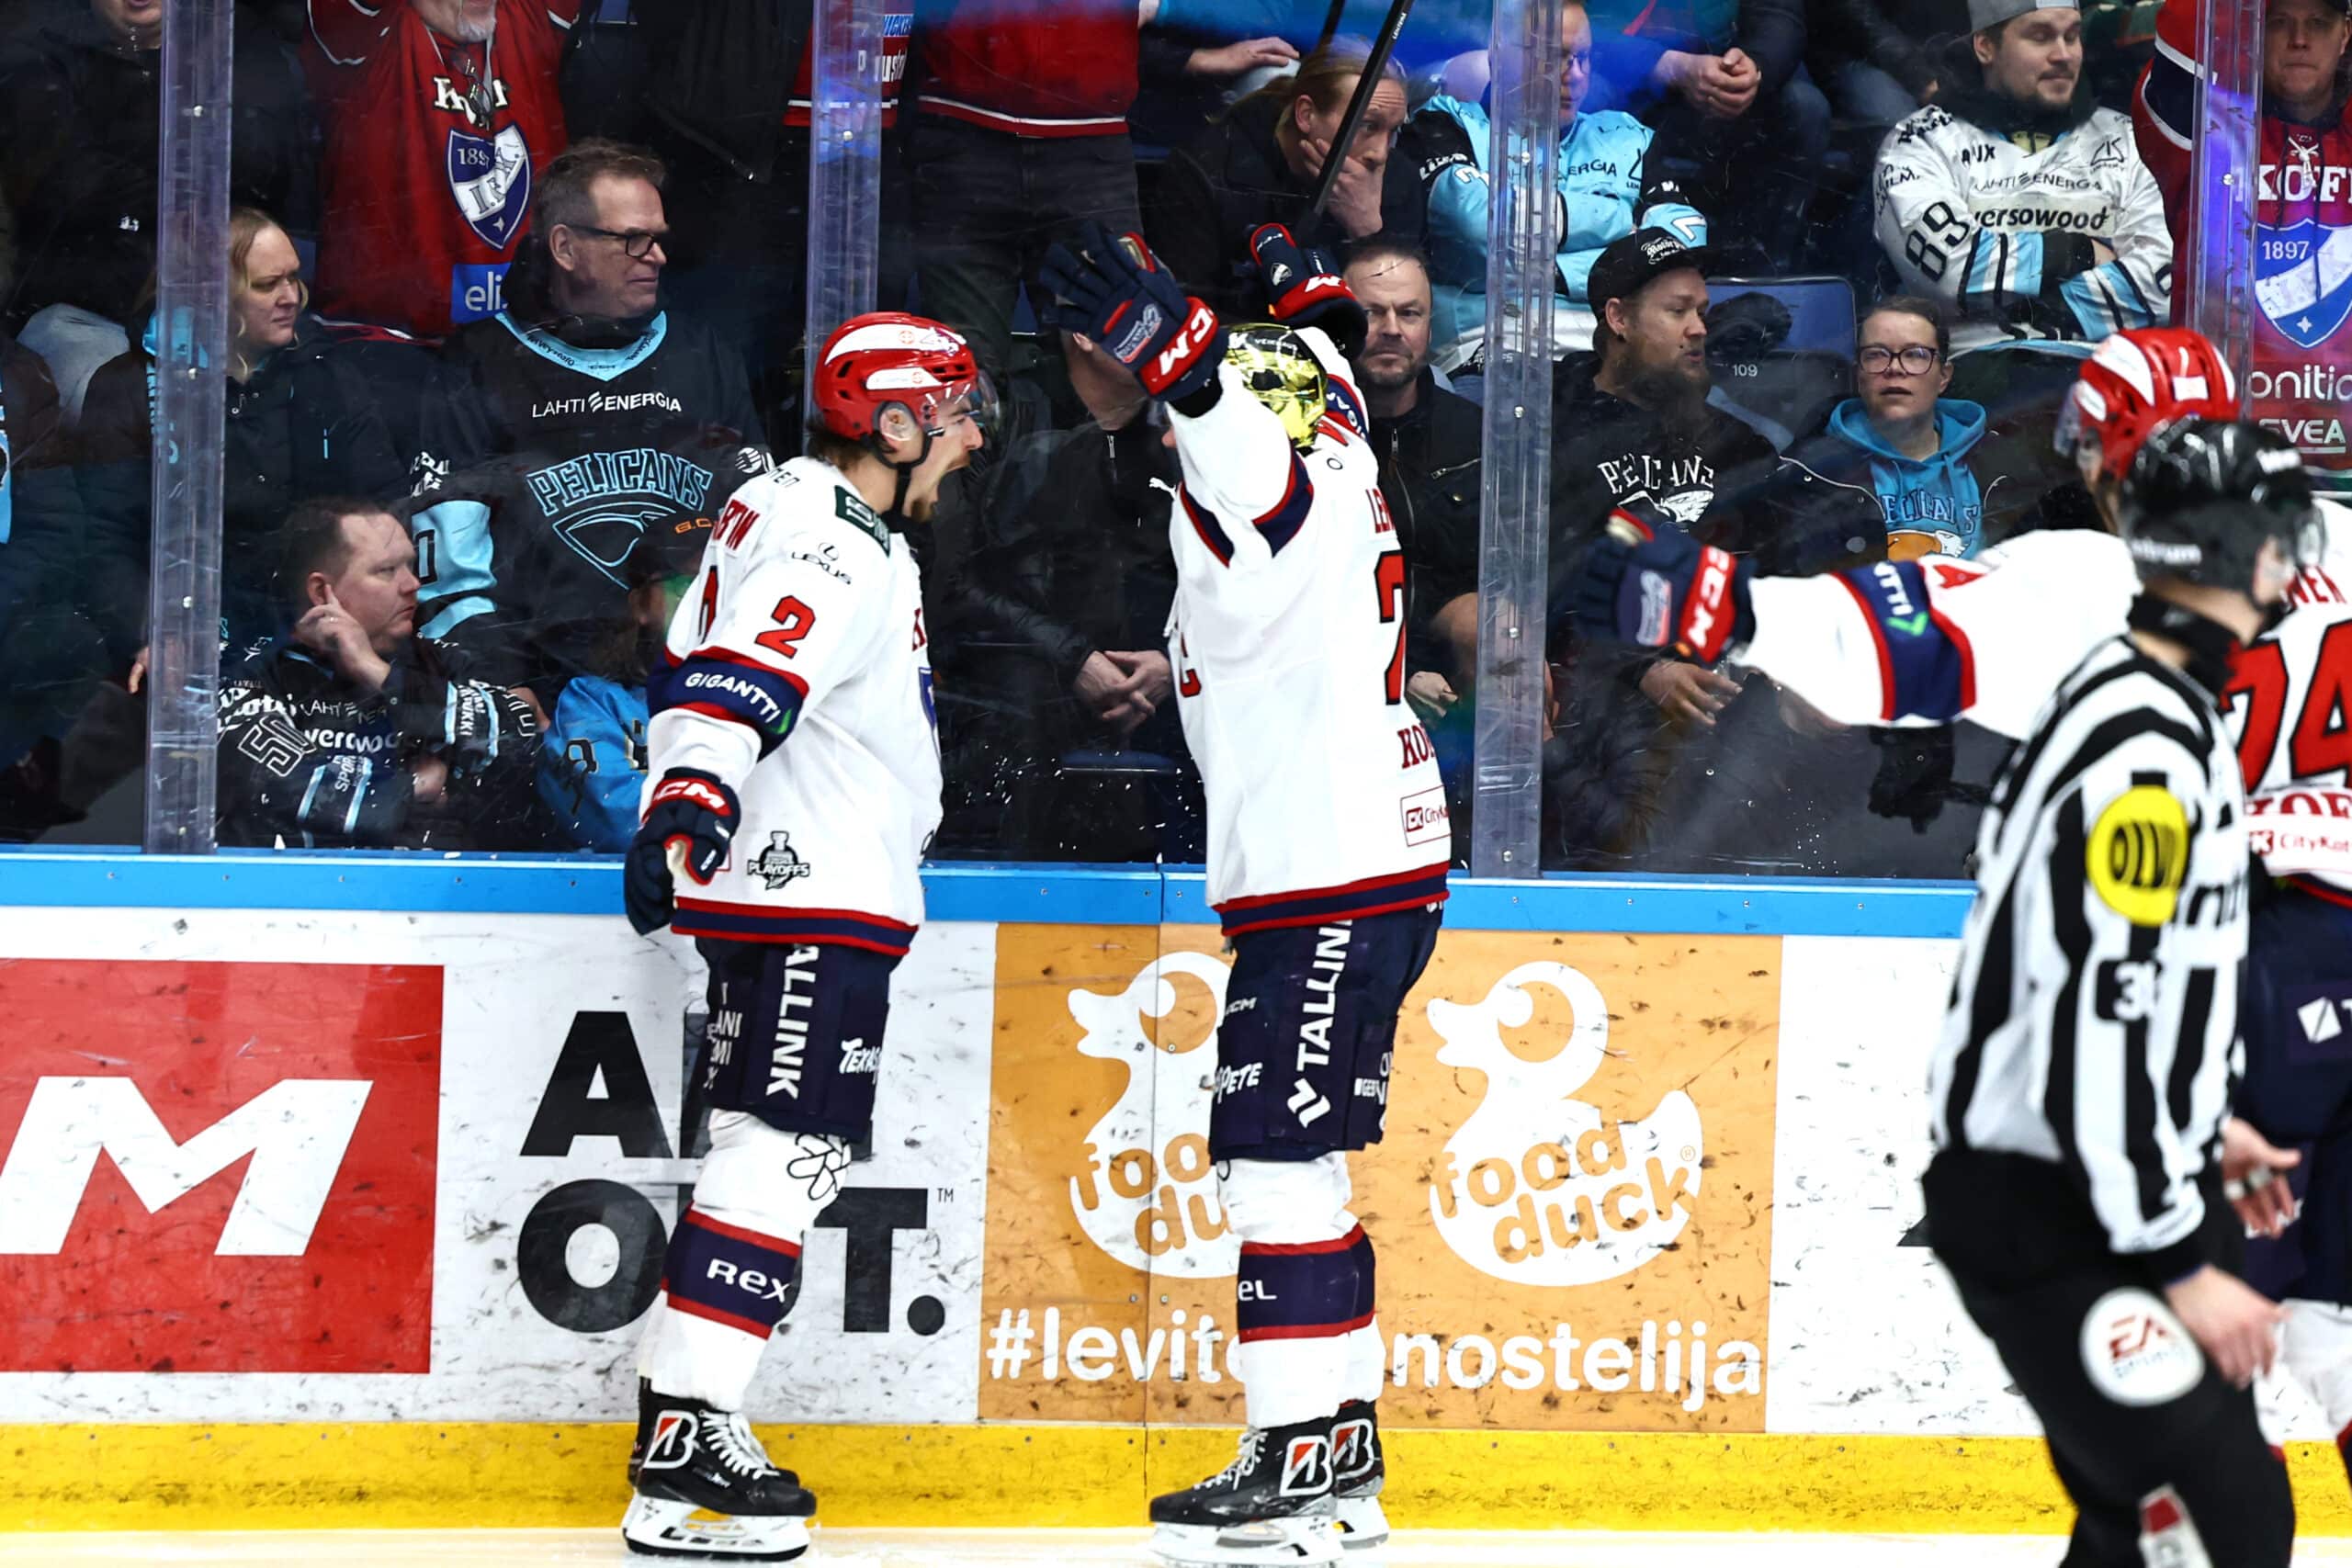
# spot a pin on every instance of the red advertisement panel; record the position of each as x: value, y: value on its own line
x: 218, y: 1167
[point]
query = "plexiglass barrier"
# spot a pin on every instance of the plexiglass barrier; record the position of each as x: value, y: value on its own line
x: 482, y: 311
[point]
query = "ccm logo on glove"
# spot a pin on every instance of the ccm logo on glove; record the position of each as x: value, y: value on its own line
x: 697, y: 791
x: 1190, y: 340
x: 1706, y: 624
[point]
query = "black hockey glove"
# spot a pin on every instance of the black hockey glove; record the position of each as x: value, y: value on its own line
x: 690, y: 809
x: 1302, y: 293
x: 1914, y: 776
x: 1115, y: 292
x: 1648, y: 581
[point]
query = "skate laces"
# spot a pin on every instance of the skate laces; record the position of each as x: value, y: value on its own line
x: 729, y: 1435
x: 1252, y: 1449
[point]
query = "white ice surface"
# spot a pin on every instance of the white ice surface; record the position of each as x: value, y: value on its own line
x: 1063, y: 1548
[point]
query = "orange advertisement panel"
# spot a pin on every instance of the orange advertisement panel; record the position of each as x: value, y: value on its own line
x: 1572, y: 1207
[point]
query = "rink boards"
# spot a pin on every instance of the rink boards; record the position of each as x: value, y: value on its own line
x: 351, y: 1179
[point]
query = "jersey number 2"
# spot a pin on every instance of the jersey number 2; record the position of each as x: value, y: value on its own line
x: 2321, y: 744
x: 1388, y: 577
x: 793, y: 621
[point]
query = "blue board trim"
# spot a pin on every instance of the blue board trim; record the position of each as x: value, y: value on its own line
x: 1078, y: 895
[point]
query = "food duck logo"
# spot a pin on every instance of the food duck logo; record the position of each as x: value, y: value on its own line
x: 1147, y: 1191
x: 1536, y: 1188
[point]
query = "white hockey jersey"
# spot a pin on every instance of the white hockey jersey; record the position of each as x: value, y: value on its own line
x: 799, y: 672
x: 2000, y: 228
x: 1926, y: 642
x: 2289, y: 709
x: 1288, y: 644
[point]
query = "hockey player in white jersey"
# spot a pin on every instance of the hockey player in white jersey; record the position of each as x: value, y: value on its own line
x: 1328, y: 848
x: 1995, y: 633
x: 794, y: 782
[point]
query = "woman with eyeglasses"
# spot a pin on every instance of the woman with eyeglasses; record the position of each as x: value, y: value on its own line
x: 1889, y: 477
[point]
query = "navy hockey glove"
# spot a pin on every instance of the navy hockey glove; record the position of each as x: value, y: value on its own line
x: 1115, y: 292
x: 694, y: 810
x: 1302, y: 293
x: 1914, y: 776
x: 1648, y: 582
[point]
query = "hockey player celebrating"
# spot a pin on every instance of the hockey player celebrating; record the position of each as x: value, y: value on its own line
x: 1328, y: 845
x: 1931, y: 641
x: 794, y: 779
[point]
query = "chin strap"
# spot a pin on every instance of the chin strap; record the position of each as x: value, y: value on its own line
x: 2210, y: 644
x: 895, y: 513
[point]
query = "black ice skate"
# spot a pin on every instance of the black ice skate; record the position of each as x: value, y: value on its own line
x: 1272, y: 1504
x: 1359, y: 1470
x: 705, y: 1488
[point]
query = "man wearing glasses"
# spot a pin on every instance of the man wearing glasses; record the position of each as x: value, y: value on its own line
x: 1890, y: 477
x: 566, y: 425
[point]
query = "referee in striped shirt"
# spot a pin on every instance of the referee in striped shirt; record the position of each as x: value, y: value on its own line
x: 2081, y: 1086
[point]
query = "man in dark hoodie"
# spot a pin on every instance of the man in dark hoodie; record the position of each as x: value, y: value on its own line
x: 567, y: 424
x: 355, y: 732
x: 1631, y: 424
x: 1632, y: 427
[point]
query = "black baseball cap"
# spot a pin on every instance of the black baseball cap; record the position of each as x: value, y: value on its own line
x: 1629, y: 265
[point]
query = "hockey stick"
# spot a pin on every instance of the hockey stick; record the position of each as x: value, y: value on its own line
x: 1382, y: 47
x: 1331, y: 23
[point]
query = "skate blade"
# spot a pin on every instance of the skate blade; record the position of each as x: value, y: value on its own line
x: 1363, y: 1523
x: 1308, y: 1542
x: 656, y: 1526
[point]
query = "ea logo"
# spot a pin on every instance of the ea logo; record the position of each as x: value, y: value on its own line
x: 1536, y: 1188
x: 2136, y: 1351
x: 1146, y: 1192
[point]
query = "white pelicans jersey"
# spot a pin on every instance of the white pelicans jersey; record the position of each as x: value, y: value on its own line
x: 2003, y: 228
x: 1288, y: 644
x: 798, y: 672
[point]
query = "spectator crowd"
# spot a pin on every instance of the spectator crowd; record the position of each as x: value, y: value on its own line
x: 516, y: 298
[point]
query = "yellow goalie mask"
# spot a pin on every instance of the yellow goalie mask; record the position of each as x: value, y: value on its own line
x: 1281, y: 372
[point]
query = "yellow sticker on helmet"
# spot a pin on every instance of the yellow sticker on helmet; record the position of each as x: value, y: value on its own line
x: 2138, y: 854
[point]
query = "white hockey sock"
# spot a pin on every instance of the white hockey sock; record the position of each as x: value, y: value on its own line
x: 734, y: 1258
x: 1299, y: 1304
x: 1367, y: 1371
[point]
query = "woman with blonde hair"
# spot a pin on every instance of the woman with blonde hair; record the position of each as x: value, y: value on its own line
x: 1260, y: 163
x: 301, y: 421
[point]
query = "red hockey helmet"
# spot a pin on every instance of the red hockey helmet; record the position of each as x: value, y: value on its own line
x: 2134, y: 382
x: 888, y: 357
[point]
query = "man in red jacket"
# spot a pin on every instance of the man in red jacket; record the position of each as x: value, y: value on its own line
x: 439, y: 114
x: 2302, y: 375
x: 1020, y: 138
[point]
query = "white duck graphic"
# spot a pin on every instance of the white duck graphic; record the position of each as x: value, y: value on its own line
x: 1147, y: 1193
x: 1535, y: 1188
